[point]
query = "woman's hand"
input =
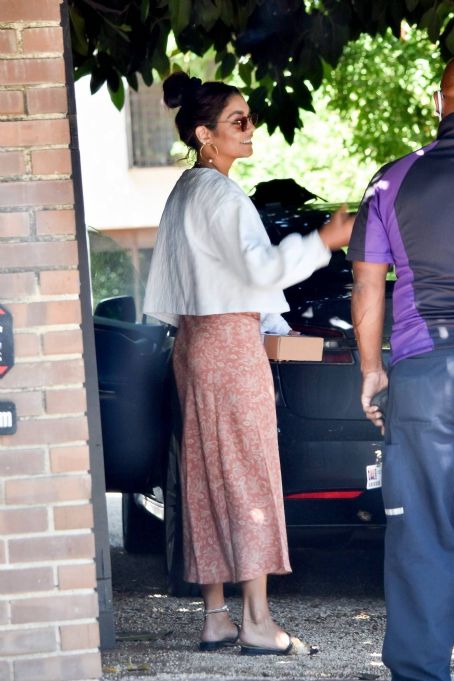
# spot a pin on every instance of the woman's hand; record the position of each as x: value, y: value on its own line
x: 337, y: 231
x: 292, y: 332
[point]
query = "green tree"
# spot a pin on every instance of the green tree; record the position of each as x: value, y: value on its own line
x: 375, y: 106
x: 382, y: 86
x: 280, y: 46
x: 112, y: 272
x: 319, y: 158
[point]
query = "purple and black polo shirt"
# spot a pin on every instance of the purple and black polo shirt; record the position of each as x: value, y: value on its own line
x: 406, y: 218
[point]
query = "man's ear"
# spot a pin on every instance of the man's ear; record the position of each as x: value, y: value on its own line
x: 435, y: 98
x: 203, y: 134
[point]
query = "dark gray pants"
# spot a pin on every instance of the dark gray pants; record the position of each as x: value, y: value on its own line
x: 418, y: 494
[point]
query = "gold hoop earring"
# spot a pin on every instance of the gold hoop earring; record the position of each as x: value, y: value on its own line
x: 208, y: 144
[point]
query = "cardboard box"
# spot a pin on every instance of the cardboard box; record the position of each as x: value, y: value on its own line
x: 294, y: 348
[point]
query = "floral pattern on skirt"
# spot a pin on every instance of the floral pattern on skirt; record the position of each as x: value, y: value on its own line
x: 233, y: 511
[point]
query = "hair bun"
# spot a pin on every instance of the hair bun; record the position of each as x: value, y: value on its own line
x: 179, y: 86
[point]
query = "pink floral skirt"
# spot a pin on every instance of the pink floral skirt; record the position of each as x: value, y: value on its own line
x: 233, y: 512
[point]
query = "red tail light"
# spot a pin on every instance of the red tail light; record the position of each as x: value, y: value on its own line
x: 335, y: 494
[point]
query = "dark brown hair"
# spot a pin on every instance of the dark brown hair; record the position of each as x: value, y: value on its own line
x: 200, y: 104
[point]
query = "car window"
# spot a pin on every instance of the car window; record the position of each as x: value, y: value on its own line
x: 113, y: 271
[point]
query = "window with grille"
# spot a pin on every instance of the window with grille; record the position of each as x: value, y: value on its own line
x: 151, y: 126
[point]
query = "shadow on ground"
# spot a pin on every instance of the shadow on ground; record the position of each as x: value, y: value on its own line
x: 334, y: 598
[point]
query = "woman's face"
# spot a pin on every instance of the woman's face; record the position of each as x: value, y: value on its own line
x: 231, y: 141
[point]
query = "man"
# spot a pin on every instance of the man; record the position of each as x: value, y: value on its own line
x: 407, y: 219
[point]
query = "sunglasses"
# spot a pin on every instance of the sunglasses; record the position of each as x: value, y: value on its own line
x: 243, y: 121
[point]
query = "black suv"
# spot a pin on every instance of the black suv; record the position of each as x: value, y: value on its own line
x: 325, y: 442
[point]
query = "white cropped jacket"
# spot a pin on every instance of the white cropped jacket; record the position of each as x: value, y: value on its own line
x: 213, y: 255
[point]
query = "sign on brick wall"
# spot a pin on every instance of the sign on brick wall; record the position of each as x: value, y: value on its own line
x: 8, y: 420
x: 6, y: 341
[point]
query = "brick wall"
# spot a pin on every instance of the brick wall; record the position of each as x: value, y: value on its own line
x: 48, y: 603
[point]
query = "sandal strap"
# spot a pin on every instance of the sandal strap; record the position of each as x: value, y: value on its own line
x: 212, y: 611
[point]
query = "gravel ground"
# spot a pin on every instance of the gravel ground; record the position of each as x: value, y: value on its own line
x: 333, y: 599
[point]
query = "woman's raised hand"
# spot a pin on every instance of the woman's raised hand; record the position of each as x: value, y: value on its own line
x: 337, y: 231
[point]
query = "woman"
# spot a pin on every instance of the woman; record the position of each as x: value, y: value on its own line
x: 214, y: 275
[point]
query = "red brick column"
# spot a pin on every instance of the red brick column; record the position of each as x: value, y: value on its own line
x: 48, y: 603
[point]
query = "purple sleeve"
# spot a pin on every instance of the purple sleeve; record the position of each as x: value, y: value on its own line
x: 369, y: 241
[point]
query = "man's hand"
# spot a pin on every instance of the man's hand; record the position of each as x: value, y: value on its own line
x: 373, y: 382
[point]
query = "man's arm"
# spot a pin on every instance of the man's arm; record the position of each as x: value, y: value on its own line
x: 368, y: 312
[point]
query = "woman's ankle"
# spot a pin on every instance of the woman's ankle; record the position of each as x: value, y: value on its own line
x: 217, y: 626
x: 263, y: 625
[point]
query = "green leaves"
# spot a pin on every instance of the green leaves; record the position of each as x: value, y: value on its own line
x: 286, y: 112
x: 279, y: 49
x: 117, y: 93
x: 180, y: 14
x: 103, y: 70
x: 144, y: 10
x: 245, y: 72
x: 147, y: 73
x: 449, y: 40
x: 161, y: 63
x: 133, y: 81
x: 431, y: 20
x: 86, y: 68
x: 78, y: 35
x: 382, y: 87
x: 226, y: 66
x: 97, y: 80
x: 206, y: 13
x: 257, y: 101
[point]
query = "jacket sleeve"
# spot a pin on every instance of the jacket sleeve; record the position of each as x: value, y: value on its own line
x: 274, y: 323
x: 240, y: 241
x: 166, y: 318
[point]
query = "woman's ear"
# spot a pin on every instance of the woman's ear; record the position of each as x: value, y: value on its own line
x: 203, y: 134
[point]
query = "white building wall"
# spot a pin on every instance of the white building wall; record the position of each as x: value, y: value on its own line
x: 115, y: 196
